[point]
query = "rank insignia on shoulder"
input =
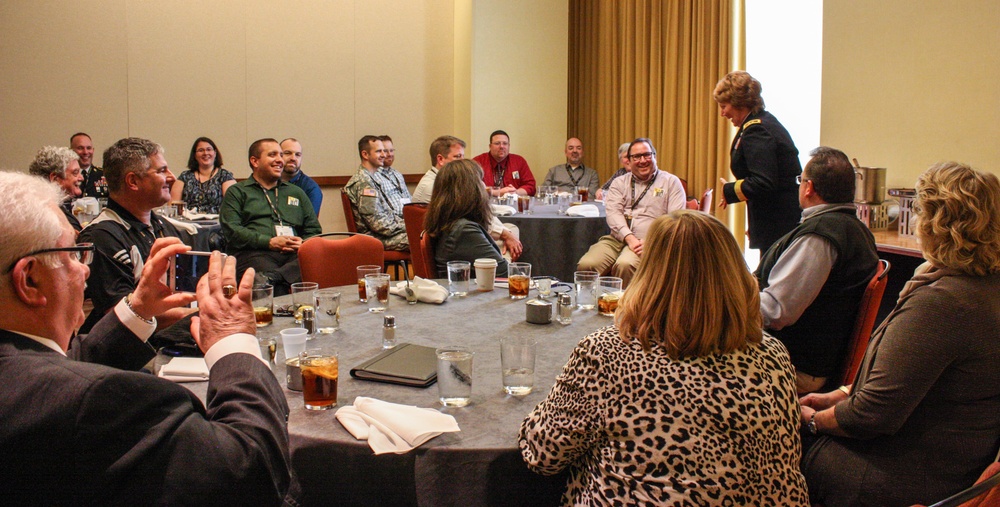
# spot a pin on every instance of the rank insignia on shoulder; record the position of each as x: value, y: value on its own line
x: 751, y: 122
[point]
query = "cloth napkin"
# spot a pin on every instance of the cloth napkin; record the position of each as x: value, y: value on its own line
x: 185, y: 226
x: 192, y: 214
x: 391, y: 427
x: 185, y: 369
x: 584, y: 210
x: 427, y: 291
x: 502, y: 210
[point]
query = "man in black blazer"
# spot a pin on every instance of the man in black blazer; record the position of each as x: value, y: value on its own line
x: 75, y: 432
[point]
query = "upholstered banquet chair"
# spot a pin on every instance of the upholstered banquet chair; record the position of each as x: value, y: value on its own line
x: 421, y: 249
x: 392, y: 257
x: 865, y: 322
x: 331, y: 261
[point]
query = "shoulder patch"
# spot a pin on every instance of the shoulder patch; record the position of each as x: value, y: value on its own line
x: 369, y: 192
x: 751, y: 122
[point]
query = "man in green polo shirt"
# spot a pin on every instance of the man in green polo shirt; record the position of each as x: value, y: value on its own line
x: 265, y: 219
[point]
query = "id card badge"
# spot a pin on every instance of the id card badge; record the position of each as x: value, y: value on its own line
x: 628, y: 220
x: 404, y: 200
x: 284, y: 230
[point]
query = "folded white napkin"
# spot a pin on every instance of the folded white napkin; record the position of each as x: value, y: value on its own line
x: 502, y: 210
x: 192, y: 214
x: 427, y: 291
x: 186, y: 226
x: 584, y: 210
x: 391, y: 427
x: 185, y: 369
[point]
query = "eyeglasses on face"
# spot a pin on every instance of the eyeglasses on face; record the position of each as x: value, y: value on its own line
x: 640, y: 156
x: 83, y: 253
x: 799, y: 179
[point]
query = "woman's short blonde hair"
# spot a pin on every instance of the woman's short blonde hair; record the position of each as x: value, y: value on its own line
x: 958, y: 218
x: 739, y: 89
x: 693, y: 294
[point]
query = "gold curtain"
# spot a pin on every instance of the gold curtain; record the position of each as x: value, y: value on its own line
x: 647, y: 68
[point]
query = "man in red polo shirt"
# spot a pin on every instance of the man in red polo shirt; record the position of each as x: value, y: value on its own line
x: 503, y: 171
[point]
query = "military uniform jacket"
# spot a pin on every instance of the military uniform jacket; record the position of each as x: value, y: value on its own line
x: 374, y: 210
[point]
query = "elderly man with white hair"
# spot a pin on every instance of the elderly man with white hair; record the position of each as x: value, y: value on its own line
x: 61, y: 165
x: 77, y: 427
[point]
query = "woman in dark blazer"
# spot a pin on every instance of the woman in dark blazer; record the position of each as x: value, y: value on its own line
x: 764, y: 160
x: 458, y: 218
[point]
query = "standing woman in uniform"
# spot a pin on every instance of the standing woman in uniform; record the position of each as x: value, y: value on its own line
x: 763, y: 159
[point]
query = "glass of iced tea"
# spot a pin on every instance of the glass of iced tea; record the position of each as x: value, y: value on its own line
x: 263, y: 305
x: 518, y: 279
x: 584, y: 193
x: 319, y: 369
x: 524, y: 204
x: 609, y: 292
x: 369, y: 269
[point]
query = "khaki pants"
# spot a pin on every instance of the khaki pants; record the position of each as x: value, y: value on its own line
x: 609, y: 255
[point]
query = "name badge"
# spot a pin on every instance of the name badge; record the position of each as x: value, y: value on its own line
x: 284, y: 230
x: 657, y: 192
x: 516, y: 176
x: 404, y: 200
x: 292, y: 201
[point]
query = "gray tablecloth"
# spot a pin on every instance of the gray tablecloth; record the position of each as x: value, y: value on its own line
x: 554, y: 243
x: 481, y: 464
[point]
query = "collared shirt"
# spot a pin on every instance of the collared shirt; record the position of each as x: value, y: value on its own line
x: 309, y: 186
x: 248, y: 218
x: 516, y: 172
x: 392, y: 183
x: 425, y: 188
x: 665, y: 194
x: 568, y: 179
x: 621, y: 171
x: 121, y: 246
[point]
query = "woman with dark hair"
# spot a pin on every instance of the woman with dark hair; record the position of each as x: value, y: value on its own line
x: 684, y: 400
x: 922, y: 419
x: 205, y: 182
x: 459, y: 216
x: 763, y: 159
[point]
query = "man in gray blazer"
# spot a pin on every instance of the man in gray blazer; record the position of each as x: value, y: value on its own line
x: 77, y: 427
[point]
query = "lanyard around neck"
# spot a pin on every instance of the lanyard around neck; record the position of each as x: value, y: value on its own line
x: 636, y: 201
x: 274, y: 208
x: 569, y: 171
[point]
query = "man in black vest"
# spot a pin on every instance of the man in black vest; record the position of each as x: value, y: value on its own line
x: 813, y: 278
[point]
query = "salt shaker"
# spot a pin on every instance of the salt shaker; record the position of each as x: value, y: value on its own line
x: 565, y: 308
x: 309, y: 320
x: 388, y: 332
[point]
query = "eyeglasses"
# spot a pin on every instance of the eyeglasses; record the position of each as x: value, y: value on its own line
x: 640, y: 156
x: 83, y: 253
x: 799, y: 179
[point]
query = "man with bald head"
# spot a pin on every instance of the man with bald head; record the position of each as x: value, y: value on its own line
x: 291, y: 155
x: 94, y: 182
x: 573, y: 173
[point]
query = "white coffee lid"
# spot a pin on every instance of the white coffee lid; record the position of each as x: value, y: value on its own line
x: 486, y: 263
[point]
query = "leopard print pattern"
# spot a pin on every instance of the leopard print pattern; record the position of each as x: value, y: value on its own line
x: 642, y: 429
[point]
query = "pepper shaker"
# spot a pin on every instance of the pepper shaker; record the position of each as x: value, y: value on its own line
x: 388, y: 332
x: 309, y: 321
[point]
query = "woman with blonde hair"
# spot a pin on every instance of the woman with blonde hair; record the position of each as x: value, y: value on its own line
x: 459, y: 216
x: 684, y: 399
x: 922, y: 418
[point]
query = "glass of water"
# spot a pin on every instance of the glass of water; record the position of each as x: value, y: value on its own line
x: 517, y: 359
x: 586, y: 289
x: 458, y: 278
x: 454, y: 369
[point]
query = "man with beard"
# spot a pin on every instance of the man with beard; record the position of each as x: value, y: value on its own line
x: 291, y: 155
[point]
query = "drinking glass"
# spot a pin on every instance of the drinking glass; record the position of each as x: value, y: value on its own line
x: 518, y: 279
x: 454, y: 369
x: 517, y: 360
x: 458, y: 278
x: 327, y: 310
x: 586, y: 289
x: 368, y: 269
x: 263, y: 304
x: 302, y: 297
x: 609, y: 292
x: 320, y: 373
x: 377, y: 287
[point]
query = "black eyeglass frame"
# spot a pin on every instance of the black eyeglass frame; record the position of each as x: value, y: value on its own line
x: 82, y: 249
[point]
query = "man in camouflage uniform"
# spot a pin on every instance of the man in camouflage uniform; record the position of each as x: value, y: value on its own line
x: 376, y: 200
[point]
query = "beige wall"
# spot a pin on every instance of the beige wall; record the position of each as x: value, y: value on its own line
x: 324, y: 71
x: 909, y: 84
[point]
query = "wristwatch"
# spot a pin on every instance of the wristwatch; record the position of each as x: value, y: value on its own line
x: 811, y: 425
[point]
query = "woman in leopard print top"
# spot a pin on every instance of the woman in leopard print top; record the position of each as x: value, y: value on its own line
x: 684, y: 401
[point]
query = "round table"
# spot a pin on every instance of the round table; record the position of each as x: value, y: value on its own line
x: 554, y: 243
x: 481, y: 464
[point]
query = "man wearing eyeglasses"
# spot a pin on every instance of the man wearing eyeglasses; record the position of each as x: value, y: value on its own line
x: 632, y: 202
x: 123, y: 234
x: 503, y: 171
x: 79, y: 425
x: 813, y: 278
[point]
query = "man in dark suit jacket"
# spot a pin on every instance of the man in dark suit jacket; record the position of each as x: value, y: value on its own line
x: 74, y: 432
